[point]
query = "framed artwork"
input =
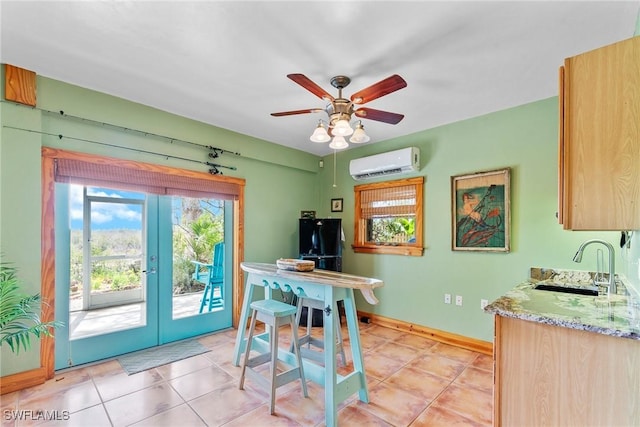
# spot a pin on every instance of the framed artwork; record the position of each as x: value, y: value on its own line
x: 336, y: 205
x: 308, y: 214
x: 480, y: 211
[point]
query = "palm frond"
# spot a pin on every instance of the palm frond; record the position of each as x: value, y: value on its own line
x: 19, y: 313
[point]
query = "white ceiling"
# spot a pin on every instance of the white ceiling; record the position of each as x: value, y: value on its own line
x: 225, y: 62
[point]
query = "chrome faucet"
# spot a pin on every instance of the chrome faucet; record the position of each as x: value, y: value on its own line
x: 612, y: 274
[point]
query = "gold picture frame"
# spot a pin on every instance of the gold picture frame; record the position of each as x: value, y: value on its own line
x: 481, y: 211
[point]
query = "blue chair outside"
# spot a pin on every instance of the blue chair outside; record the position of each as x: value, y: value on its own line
x: 212, y: 275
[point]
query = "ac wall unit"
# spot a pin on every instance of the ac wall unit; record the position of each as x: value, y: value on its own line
x: 391, y: 163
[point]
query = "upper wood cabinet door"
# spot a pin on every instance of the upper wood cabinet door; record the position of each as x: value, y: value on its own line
x: 600, y: 139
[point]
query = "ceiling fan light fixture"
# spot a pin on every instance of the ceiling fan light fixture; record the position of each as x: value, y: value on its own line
x: 359, y: 135
x: 338, y: 143
x: 320, y: 134
x: 342, y: 128
x: 340, y: 110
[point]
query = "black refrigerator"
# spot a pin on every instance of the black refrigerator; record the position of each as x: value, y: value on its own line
x: 321, y: 242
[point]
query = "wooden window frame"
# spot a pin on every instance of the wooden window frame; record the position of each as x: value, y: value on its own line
x: 360, y: 244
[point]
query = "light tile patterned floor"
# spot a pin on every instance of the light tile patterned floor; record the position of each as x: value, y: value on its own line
x: 413, y: 381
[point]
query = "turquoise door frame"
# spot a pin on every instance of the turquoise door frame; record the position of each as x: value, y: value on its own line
x: 160, y: 327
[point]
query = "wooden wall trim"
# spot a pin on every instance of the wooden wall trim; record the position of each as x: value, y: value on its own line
x: 19, y: 85
x: 22, y: 380
x: 461, y: 341
x: 47, y: 264
x: 238, y: 256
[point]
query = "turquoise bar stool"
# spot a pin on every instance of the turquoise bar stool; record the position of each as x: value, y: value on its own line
x: 274, y: 314
x: 308, y: 339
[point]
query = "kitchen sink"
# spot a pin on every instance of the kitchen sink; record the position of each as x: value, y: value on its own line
x: 582, y: 290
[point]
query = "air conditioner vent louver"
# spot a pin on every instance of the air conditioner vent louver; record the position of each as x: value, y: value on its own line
x: 379, y: 173
x: 395, y: 162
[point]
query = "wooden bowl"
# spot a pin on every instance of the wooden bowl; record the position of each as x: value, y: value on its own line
x: 295, y: 264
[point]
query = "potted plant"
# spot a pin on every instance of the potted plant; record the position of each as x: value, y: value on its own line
x: 19, y: 313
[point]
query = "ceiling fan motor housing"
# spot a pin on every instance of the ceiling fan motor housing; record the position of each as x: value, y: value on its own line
x: 339, y: 109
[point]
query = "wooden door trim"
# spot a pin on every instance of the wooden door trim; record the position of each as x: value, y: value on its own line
x: 47, y: 345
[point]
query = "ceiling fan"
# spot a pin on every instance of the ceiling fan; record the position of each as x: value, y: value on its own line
x: 341, y: 109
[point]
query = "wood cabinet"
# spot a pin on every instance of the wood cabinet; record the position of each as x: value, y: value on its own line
x: 553, y: 376
x: 599, y: 151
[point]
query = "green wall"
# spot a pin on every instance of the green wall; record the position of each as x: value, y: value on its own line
x: 279, y: 181
x: 20, y: 214
x: 522, y: 138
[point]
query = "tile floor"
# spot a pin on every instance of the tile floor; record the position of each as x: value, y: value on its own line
x: 413, y: 381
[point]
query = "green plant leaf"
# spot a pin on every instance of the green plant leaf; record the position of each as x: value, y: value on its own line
x: 19, y: 313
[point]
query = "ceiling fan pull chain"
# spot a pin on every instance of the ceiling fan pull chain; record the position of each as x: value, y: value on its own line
x: 334, y: 168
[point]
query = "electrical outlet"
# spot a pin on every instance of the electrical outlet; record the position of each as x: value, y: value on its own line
x: 483, y: 303
x: 447, y: 298
x: 458, y: 299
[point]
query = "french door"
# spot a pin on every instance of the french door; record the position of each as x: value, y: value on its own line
x: 124, y: 271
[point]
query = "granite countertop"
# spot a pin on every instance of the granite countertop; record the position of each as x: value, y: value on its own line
x: 616, y: 315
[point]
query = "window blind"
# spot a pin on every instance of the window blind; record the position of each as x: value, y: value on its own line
x: 388, y: 201
x: 81, y: 172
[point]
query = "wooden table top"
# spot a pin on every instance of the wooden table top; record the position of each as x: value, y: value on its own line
x: 366, y: 285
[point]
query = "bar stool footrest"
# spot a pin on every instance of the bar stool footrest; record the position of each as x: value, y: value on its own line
x: 261, y: 359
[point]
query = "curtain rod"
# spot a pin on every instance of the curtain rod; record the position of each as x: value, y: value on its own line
x: 214, y: 166
x: 216, y: 151
x: 213, y: 154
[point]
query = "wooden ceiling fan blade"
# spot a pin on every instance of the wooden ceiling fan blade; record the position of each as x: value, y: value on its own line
x: 379, y: 115
x: 382, y: 88
x: 309, y: 85
x: 293, y: 112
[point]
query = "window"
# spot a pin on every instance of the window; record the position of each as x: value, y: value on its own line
x: 388, y: 217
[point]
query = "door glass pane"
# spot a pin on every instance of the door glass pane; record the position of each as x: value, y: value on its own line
x: 198, y: 261
x: 107, y: 286
x: 115, y: 251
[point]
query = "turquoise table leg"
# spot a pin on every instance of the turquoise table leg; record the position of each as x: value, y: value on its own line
x: 330, y: 379
x: 356, y: 348
x: 242, y: 325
